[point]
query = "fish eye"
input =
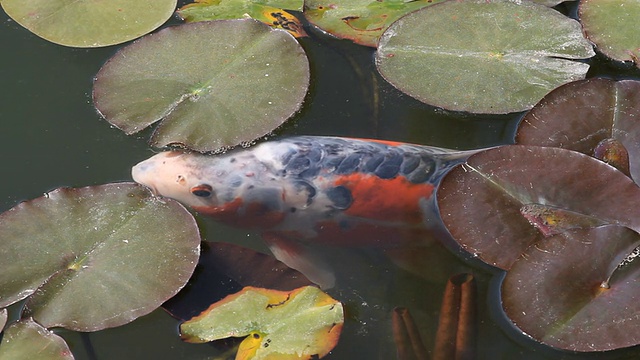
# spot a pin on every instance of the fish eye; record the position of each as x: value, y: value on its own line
x: 202, y: 190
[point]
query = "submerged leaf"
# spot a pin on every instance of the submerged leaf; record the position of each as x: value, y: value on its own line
x: 613, y: 26
x: 578, y: 290
x: 488, y: 203
x: 481, y: 56
x: 457, y: 328
x: 595, y: 117
x: 232, y: 267
x: 89, y: 23
x: 301, y: 324
x: 216, y: 83
x: 362, y: 21
x: 95, y: 257
x: 3, y: 318
x: 27, y: 339
x: 406, y: 336
x: 268, y: 12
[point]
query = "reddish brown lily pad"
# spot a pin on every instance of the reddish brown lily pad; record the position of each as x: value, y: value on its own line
x: 578, y: 290
x: 503, y: 200
x: 582, y: 115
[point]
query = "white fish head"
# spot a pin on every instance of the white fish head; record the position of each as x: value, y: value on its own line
x: 193, y: 179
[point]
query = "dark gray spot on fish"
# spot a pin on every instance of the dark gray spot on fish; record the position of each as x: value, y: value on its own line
x: 297, y: 165
x: 372, y: 163
x: 409, y: 163
x: 424, y: 172
x: 349, y: 164
x: 390, y: 166
x: 340, y: 196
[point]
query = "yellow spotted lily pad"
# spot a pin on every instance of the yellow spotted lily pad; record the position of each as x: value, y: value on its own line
x: 270, y: 12
x: 300, y: 324
x: 362, y: 21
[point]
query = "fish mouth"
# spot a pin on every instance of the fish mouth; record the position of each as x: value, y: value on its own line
x: 138, y: 173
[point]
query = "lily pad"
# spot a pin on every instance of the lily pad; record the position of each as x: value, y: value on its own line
x: 582, y: 114
x: 613, y: 26
x: 503, y: 200
x: 578, y: 290
x: 27, y: 339
x: 91, y: 23
x: 270, y: 12
x: 213, y: 84
x: 301, y: 324
x: 95, y: 257
x: 495, y: 56
x: 362, y: 21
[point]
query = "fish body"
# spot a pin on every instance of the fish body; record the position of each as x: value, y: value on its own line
x: 333, y: 190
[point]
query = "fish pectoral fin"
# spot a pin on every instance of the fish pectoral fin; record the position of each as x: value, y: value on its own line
x: 297, y: 256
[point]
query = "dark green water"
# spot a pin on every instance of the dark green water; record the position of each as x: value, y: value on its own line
x: 52, y: 137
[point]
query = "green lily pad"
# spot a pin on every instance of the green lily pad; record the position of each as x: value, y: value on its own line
x: 213, y: 84
x: 584, y: 115
x: 27, y: 339
x: 613, y: 26
x: 495, y: 56
x: 95, y: 257
x: 578, y: 290
x: 362, y: 21
x: 506, y: 199
x: 269, y: 12
x: 91, y: 23
x: 301, y: 324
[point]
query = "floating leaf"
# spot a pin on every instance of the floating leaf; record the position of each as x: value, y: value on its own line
x: 578, y: 290
x: 214, y: 83
x: 95, y: 257
x: 362, y: 21
x: 90, y: 23
x: 26, y: 339
x: 480, y: 56
x: 581, y: 115
x: 505, y: 199
x: 613, y: 26
x: 233, y: 267
x: 301, y: 324
x: 268, y: 12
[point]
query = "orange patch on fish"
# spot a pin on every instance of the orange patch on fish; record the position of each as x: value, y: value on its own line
x: 251, y: 215
x: 394, y: 199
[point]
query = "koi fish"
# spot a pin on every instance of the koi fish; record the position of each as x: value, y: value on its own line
x: 334, y: 190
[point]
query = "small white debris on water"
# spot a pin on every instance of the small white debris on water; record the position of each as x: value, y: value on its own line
x: 125, y: 241
x: 266, y: 74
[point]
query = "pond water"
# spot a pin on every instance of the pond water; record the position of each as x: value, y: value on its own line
x: 53, y: 137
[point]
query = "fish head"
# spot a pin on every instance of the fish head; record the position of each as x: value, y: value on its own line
x: 193, y: 179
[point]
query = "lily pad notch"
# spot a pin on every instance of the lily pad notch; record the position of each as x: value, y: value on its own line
x: 482, y: 56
